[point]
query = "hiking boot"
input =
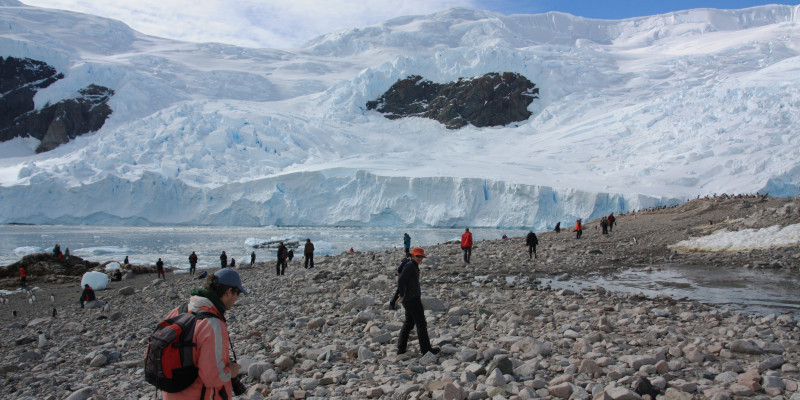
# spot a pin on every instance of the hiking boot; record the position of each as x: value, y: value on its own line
x: 401, y: 351
x: 434, y: 350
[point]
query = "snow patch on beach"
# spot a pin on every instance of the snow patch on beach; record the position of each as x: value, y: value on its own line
x: 743, y: 240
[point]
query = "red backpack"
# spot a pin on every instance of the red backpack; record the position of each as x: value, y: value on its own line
x: 169, y: 362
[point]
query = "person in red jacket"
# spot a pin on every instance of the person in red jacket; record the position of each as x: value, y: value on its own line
x: 466, y: 245
x: 611, y: 220
x: 212, y: 353
x: 23, y: 277
x: 578, y: 229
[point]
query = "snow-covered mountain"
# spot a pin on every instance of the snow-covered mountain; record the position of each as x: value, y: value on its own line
x: 631, y: 113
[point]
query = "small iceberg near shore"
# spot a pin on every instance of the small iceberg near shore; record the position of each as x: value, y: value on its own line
x: 289, y: 242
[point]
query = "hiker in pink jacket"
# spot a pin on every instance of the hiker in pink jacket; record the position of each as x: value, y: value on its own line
x: 212, y: 353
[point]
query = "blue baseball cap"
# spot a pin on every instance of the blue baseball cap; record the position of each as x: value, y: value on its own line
x: 229, y: 277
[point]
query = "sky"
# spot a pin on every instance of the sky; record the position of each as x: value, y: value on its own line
x: 284, y: 24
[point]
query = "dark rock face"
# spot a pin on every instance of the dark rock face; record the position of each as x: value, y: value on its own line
x: 44, y: 264
x: 55, y: 124
x: 490, y: 100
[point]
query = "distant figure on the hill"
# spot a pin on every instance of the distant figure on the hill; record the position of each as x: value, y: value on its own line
x: 160, y: 269
x: 308, y: 253
x: 351, y: 251
x: 558, y: 227
x: 531, y: 240
x: 66, y: 254
x: 604, y: 225
x: 578, y: 229
x: 505, y: 236
x: 223, y: 259
x: 466, y: 245
x: 23, y: 277
x: 283, y: 254
x: 87, y: 295
x: 126, y: 262
x: 611, y: 221
x: 233, y: 262
x: 407, y: 244
x: 57, y: 250
x: 192, y: 263
x: 253, y: 259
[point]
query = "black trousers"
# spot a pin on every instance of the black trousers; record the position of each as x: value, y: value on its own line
x: 467, y: 253
x: 578, y: 234
x: 415, y: 316
x: 531, y: 251
x: 309, y: 260
x: 278, y: 269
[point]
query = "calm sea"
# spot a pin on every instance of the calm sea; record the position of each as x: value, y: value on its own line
x: 144, y: 245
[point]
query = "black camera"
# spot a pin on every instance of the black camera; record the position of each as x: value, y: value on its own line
x: 238, y: 387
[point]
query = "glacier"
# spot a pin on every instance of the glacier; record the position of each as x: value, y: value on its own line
x: 631, y: 114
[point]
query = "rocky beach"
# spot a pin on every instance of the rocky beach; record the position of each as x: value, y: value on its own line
x: 327, y: 332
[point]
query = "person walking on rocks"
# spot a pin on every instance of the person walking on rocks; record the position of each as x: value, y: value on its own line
x: 160, y: 269
x: 283, y: 254
x: 126, y: 261
x: 57, y: 251
x: 411, y: 298
x: 212, y: 354
x: 308, y: 253
x: 611, y: 220
x: 192, y: 263
x: 23, y: 277
x: 253, y: 259
x: 223, y: 259
x: 407, y: 244
x: 87, y: 295
x: 578, y: 229
x: 531, y: 240
x: 466, y: 245
x: 604, y: 225
x: 558, y: 227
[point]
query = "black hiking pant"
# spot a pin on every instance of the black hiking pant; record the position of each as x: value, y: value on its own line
x: 467, y: 253
x: 309, y: 260
x: 579, y: 232
x: 415, y: 317
x: 280, y: 267
x: 531, y: 251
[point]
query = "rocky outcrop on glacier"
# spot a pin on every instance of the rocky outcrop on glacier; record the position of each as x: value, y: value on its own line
x: 490, y: 100
x: 54, y: 124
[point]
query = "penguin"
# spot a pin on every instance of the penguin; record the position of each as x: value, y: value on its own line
x: 52, y: 299
x: 14, y: 313
x: 54, y: 312
x: 30, y: 301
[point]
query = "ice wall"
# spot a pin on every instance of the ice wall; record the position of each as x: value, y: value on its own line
x: 349, y: 198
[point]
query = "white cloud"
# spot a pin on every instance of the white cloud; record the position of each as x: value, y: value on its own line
x: 250, y: 23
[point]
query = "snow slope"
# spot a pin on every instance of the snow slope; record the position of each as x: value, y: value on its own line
x: 632, y: 113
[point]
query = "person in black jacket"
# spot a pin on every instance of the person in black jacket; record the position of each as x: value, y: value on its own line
x: 531, y: 240
x: 411, y: 298
x: 283, y: 254
x: 396, y: 295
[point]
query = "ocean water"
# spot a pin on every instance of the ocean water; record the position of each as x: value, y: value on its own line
x: 145, y: 245
x: 758, y: 291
